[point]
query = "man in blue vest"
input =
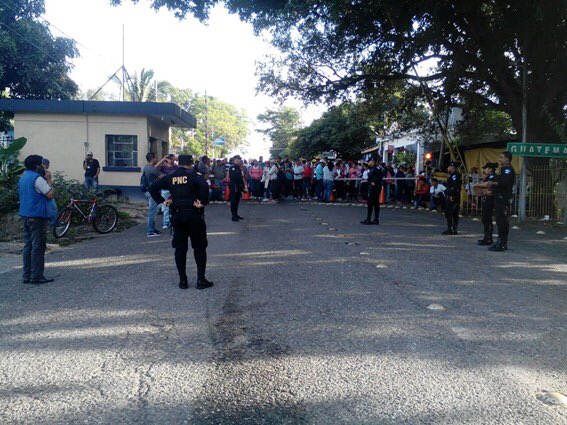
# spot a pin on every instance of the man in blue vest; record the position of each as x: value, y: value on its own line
x: 35, y: 194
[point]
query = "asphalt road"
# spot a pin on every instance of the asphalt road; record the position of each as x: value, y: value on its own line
x: 314, y: 319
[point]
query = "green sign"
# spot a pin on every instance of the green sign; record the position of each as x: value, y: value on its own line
x: 538, y: 149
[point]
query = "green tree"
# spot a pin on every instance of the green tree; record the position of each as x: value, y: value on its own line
x: 484, y: 125
x: 215, y: 119
x: 477, y: 48
x: 344, y: 129
x: 352, y: 126
x: 282, y: 126
x: 143, y: 87
x: 33, y: 63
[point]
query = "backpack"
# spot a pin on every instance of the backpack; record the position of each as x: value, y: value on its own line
x: 144, y: 183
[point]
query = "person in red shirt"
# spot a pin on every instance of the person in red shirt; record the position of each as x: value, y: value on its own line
x: 256, y: 172
x: 421, y: 191
x: 307, y: 178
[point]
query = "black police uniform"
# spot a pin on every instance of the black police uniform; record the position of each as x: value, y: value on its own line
x: 375, y: 175
x: 502, y: 196
x: 487, y: 204
x: 186, y: 186
x: 236, y: 187
x: 452, y: 203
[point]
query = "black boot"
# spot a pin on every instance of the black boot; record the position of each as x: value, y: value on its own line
x: 203, y: 283
x: 180, y: 262
x: 448, y: 231
x: 367, y: 221
x: 484, y: 241
x: 497, y: 247
x: 183, y: 282
x: 375, y: 221
x: 454, y: 230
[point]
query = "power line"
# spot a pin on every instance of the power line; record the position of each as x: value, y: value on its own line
x: 57, y: 28
x: 30, y: 42
x: 130, y: 80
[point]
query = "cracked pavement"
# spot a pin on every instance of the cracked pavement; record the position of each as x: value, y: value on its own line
x: 313, y: 319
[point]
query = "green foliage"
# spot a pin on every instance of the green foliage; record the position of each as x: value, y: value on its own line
x: 353, y: 126
x: 345, y: 129
x: 8, y: 198
x: 559, y: 125
x: 10, y: 167
x: 66, y: 189
x: 215, y: 119
x: 143, y: 87
x: 33, y: 63
x: 404, y: 157
x: 474, y: 48
x: 282, y: 128
x: 484, y: 125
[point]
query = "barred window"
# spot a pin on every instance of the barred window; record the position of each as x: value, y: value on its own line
x: 121, y: 150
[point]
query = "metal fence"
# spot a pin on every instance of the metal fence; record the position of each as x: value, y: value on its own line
x: 5, y: 140
x: 546, y: 194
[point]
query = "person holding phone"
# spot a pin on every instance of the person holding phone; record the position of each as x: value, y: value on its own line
x: 92, y: 170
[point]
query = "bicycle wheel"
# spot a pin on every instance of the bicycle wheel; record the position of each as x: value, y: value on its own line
x: 106, y: 219
x: 63, y: 223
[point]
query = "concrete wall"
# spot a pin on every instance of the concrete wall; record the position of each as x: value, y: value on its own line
x: 160, y: 131
x: 61, y: 138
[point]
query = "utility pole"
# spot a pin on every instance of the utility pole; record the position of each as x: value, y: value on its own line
x: 206, y: 124
x: 523, y: 172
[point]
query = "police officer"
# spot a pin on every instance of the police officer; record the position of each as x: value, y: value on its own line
x: 236, y: 186
x: 189, y: 195
x: 375, y: 177
x: 453, y: 195
x: 487, y: 203
x: 502, y: 188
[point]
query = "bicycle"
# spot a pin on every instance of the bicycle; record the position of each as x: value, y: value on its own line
x: 104, y: 218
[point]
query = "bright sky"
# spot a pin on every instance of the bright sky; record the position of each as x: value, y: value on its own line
x: 218, y: 57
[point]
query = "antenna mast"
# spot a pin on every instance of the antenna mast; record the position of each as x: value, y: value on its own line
x: 123, y: 68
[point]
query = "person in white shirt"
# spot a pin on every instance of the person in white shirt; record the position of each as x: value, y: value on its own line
x: 298, y: 179
x: 275, y: 183
x: 437, y: 194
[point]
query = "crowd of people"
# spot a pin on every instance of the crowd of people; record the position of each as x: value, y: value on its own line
x: 198, y: 183
x: 322, y: 179
x: 317, y: 179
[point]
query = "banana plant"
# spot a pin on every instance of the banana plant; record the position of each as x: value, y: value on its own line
x: 10, y: 167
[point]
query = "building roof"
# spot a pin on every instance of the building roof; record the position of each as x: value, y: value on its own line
x: 370, y: 149
x: 170, y: 113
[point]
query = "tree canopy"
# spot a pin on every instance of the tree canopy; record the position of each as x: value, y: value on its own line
x: 143, y: 87
x: 33, y: 63
x: 352, y: 126
x: 475, y: 50
x: 215, y: 119
x: 282, y: 126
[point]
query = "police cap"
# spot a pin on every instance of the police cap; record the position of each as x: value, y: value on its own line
x: 185, y: 159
